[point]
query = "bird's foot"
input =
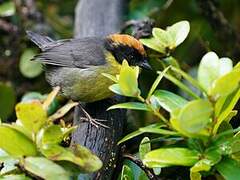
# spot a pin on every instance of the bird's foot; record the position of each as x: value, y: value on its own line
x: 93, y: 121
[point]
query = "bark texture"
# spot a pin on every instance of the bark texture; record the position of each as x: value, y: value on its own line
x: 99, y: 18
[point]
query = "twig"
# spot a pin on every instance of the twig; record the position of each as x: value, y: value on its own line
x: 8, y: 27
x: 149, y: 172
x: 225, y: 32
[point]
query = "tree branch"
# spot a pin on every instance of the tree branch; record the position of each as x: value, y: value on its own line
x: 224, y: 31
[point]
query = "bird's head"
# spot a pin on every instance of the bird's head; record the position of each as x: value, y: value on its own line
x: 124, y: 46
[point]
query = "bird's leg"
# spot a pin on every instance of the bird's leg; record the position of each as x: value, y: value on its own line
x: 94, y: 122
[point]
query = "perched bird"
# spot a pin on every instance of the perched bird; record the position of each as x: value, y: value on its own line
x: 76, y: 65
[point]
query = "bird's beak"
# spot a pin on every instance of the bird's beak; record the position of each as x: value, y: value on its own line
x: 145, y: 65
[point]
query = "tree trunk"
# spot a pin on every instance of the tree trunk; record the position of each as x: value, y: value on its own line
x: 99, y: 18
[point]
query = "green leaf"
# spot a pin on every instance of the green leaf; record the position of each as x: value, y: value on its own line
x: 226, y: 84
x: 130, y: 136
x: 126, y: 173
x: 109, y: 76
x: 128, y: 80
x: 15, y: 143
x: 168, y: 100
x: 51, y: 135
x: 154, y: 128
x: 144, y: 147
x: 7, y: 9
x: 157, y: 81
x: 32, y: 96
x: 7, y: 100
x: 188, y: 78
x: 154, y: 44
x: 62, y: 111
x: 193, y: 117
x: 116, y: 89
x: 165, y: 157
x: 28, y: 68
x: 179, y: 32
x: 91, y: 162
x: 202, y: 165
x: 20, y: 128
x: 15, y: 177
x: 229, y: 169
x: 163, y: 37
x: 181, y: 86
x: 208, y: 70
x: 31, y: 115
x: 226, y: 108
x: 131, y: 105
x: 226, y: 65
x: 45, y: 168
x: 78, y: 155
x: 8, y: 163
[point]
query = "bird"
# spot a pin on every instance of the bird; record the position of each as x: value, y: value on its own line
x: 76, y: 65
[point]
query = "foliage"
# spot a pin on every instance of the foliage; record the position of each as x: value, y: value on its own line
x: 33, y: 145
x: 198, y: 130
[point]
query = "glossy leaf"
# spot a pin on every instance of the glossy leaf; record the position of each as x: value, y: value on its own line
x: 154, y: 44
x: 20, y: 128
x: 131, y: 105
x: 32, y: 96
x: 157, y: 81
x: 31, y: 115
x: 116, y: 89
x: 179, y: 32
x: 15, y: 177
x: 126, y: 173
x: 7, y: 100
x: 163, y: 37
x: 168, y: 100
x: 78, y: 155
x: 229, y: 169
x: 128, y: 80
x: 144, y: 147
x: 52, y: 135
x: 202, y: 165
x: 208, y: 70
x: 165, y: 157
x: 226, y: 108
x: 130, y: 136
x: 138, y: 132
x: 109, y: 76
x: 195, y: 116
x: 226, y: 65
x: 62, y: 111
x: 50, y: 97
x: 28, y: 68
x: 45, y: 168
x: 226, y: 84
x: 7, y: 9
x: 15, y: 143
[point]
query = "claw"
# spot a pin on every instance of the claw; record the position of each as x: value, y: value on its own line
x: 92, y: 121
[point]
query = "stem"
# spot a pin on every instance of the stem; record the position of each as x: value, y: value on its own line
x: 190, y: 79
x: 156, y: 113
x: 181, y: 86
x: 149, y: 172
x: 157, y: 81
x: 140, y: 98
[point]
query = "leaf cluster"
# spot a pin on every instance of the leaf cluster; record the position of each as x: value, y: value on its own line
x: 198, y: 133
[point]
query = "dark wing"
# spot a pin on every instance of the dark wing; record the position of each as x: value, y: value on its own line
x: 83, y: 53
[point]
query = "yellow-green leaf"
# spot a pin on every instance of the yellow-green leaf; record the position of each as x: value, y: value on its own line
x: 31, y: 115
x: 16, y: 143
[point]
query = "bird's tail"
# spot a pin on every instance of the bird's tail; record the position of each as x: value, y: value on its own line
x: 40, y: 40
